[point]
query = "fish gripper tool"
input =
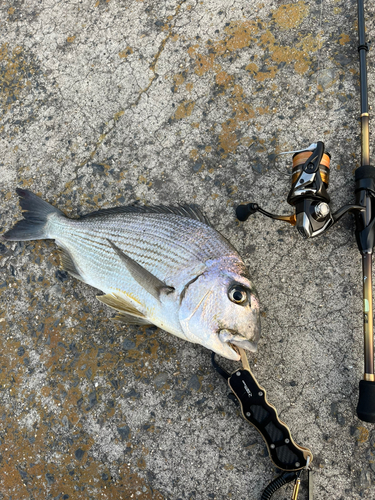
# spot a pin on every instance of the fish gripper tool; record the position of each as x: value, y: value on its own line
x: 288, y: 456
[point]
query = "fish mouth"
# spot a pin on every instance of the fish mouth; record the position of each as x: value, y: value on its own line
x: 234, y: 340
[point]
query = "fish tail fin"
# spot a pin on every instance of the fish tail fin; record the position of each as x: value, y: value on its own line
x: 34, y: 224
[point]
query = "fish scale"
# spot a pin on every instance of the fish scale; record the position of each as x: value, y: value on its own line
x: 155, y: 265
x: 148, y: 247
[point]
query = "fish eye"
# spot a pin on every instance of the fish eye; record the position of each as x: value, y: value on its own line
x: 237, y: 294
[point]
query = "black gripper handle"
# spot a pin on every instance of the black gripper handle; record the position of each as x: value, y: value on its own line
x: 283, y: 451
x: 366, y: 401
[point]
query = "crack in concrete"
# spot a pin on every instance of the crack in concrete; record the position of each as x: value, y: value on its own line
x: 120, y: 113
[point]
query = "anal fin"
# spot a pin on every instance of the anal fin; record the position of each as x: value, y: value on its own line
x: 68, y: 264
x: 131, y: 320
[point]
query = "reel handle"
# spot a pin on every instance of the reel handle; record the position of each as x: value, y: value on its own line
x: 243, y: 212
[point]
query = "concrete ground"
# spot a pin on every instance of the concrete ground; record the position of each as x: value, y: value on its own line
x: 166, y: 102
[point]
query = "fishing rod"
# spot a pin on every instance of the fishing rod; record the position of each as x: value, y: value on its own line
x: 312, y: 215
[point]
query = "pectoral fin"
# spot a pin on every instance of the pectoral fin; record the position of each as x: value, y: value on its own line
x: 147, y: 280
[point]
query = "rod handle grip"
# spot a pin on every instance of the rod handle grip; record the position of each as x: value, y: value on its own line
x: 366, y: 401
x: 365, y: 177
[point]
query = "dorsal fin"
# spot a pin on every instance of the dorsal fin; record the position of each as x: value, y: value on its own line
x: 190, y: 211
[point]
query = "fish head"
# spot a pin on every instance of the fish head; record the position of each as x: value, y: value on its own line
x: 220, y: 310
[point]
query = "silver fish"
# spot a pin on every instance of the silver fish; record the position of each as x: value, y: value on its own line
x: 164, y: 266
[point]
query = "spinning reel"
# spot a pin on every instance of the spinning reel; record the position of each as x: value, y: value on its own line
x: 308, y: 195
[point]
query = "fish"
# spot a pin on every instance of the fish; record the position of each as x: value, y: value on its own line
x: 155, y: 265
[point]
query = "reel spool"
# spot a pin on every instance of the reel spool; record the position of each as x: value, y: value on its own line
x: 310, y: 179
x: 300, y: 158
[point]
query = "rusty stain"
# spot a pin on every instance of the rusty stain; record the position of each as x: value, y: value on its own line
x: 141, y: 463
x: 205, y: 63
x: 27, y: 468
x: 184, y: 110
x: 118, y: 115
x: 15, y: 73
x: 178, y: 80
x: 228, y: 141
x: 261, y: 76
x: 238, y: 35
x: 311, y: 43
x: 242, y: 111
x: 263, y: 110
x: 222, y: 78
x: 291, y: 15
x: 125, y: 53
x: 344, y: 38
x: 194, y: 154
x: 363, y: 434
x: 289, y: 55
